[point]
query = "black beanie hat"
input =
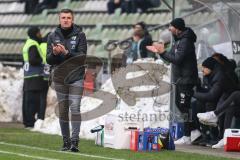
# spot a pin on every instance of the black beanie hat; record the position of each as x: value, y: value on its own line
x: 178, y: 23
x: 209, y: 63
x: 32, y: 31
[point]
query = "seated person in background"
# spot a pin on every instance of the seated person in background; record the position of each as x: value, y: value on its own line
x: 221, y: 86
x: 112, y: 5
x: 140, y: 39
x: 46, y: 4
x: 30, y: 5
x: 228, y: 66
x: 135, y: 51
x: 132, y: 6
x: 207, y: 96
x: 143, y: 5
x: 147, y: 37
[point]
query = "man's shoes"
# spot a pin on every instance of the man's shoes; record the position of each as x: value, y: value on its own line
x: 211, y: 143
x: 183, y: 140
x: 220, y: 144
x: 208, y: 118
x: 204, y: 142
x: 66, y: 144
x: 199, y: 140
x: 74, y: 146
x: 195, y: 134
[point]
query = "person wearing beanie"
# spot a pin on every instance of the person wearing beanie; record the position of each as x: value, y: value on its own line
x: 178, y: 23
x: 220, y: 87
x: 184, y: 69
x: 33, y: 79
x: 66, y: 53
x: 208, y: 66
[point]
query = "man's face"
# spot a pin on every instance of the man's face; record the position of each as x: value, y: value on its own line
x: 39, y: 35
x: 173, y: 30
x: 66, y: 20
x: 206, y: 71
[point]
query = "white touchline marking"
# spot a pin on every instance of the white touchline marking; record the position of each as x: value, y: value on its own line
x: 25, y: 155
x: 44, y: 149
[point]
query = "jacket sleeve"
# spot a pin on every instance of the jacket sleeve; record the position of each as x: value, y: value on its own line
x: 34, y: 56
x: 177, y: 58
x: 82, y: 46
x: 213, y: 95
x: 51, y: 58
x: 147, y: 41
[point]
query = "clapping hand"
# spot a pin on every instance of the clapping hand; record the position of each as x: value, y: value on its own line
x: 156, y: 48
x: 59, y: 49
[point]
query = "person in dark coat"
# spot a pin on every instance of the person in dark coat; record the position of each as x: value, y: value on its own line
x: 112, y: 5
x: 30, y: 6
x: 221, y: 86
x: 184, y: 68
x: 66, y: 53
x: 33, y: 79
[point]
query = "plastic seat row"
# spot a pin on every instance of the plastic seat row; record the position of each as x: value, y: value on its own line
x: 92, y: 5
x: 91, y: 33
x: 11, y: 7
x: 16, y: 48
x: 102, y: 18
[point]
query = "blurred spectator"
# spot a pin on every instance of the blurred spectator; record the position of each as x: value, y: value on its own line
x: 147, y: 37
x: 146, y: 41
x: 112, y: 5
x: 131, y: 6
x: 46, y: 4
x: 143, y: 5
x: 140, y: 39
x: 135, y: 50
x: 30, y: 6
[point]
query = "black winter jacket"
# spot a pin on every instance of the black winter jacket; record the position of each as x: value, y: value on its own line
x: 220, y: 85
x: 183, y: 57
x: 76, y: 43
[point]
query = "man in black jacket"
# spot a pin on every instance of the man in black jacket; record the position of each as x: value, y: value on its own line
x: 184, y: 69
x: 67, y: 49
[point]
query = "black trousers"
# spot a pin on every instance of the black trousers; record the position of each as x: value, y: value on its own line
x: 208, y: 132
x: 43, y: 103
x: 30, y: 6
x: 226, y: 110
x: 183, y: 102
x: 30, y: 107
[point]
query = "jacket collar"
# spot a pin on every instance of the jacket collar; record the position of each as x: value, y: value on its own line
x: 75, y: 31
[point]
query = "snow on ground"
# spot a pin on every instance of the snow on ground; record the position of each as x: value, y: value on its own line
x: 11, y: 81
x: 11, y: 100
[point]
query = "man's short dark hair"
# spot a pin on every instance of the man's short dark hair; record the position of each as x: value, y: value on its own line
x: 66, y: 11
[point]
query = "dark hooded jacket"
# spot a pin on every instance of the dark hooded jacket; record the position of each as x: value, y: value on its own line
x: 182, y: 56
x: 220, y: 85
x: 70, y: 65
